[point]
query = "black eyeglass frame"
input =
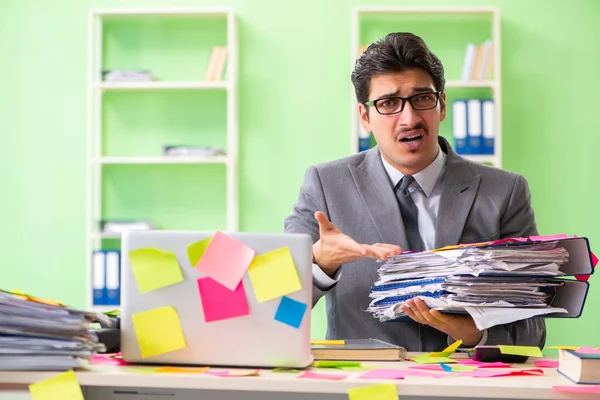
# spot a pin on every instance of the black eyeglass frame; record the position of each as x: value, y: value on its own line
x: 373, y: 103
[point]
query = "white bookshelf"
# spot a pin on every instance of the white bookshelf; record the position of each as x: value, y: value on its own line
x: 96, y: 88
x: 494, y: 85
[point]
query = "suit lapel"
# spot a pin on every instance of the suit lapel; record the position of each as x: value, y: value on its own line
x: 377, y: 194
x: 458, y: 194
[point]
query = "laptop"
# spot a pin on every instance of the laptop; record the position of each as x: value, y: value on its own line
x: 272, y: 334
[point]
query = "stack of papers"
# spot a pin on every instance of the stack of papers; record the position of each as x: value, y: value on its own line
x: 495, y: 284
x: 124, y: 75
x: 37, y: 334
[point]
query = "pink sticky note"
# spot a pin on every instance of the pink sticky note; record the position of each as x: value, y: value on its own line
x: 594, y: 259
x: 587, y: 350
x: 549, y: 237
x: 233, y: 373
x: 483, y: 373
x: 546, y: 363
x: 428, y: 367
x: 103, y: 359
x: 399, y: 374
x: 226, y: 260
x: 578, y: 389
x: 480, y: 364
x: 318, y: 375
x: 220, y: 303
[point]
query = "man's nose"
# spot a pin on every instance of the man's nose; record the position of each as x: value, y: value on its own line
x: 408, y: 116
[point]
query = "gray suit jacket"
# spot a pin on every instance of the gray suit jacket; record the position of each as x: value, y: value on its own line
x: 478, y: 203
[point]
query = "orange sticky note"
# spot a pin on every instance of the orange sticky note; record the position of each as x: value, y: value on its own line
x: 177, y: 370
x: 384, y: 391
x: 225, y: 260
x: 274, y: 274
x: 63, y: 386
x: 154, y: 269
x: 158, y: 331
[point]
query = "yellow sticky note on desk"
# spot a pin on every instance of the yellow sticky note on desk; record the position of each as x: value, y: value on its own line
x: 274, y: 274
x: 448, y: 351
x: 427, y: 359
x: 564, y: 347
x: 154, y: 269
x: 384, y: 391
x: 327, y: 342
x: 158, y: 331
x: 529, y: 351
x: 63, y: 386
x: 335, y: 364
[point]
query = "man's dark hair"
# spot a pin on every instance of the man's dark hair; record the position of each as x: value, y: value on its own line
x: 396, y: 52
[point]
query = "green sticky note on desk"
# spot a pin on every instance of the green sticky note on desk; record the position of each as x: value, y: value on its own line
x: 196, y: 250
x: 529, y: 351
x: 383, y: 391
x: 335, y: 364
x: 427, y: 359
x: 274, y: 274
x: 63, y: 386
x: 158, y: 331
x: 154, y: 269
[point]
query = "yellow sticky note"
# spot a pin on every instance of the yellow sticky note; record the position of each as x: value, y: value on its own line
x: 154, y: 269
x: 448, y: 351
x: 529, y: 351
x: 564, y: 347
x: 463, y: 368
x: 327, y: 342
x: 274, y: 274
x: 158, y: 331
x: 383, y: 391
x: 196, y: 250
x: 63, y: 386
x: 178, y: 370
x: 335, y: 364
x: 427, y: 359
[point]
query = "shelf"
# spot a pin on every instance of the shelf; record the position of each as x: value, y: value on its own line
x: 158, y: 85
x: 472, y: 84
x: 426, y: 10
x: 163, y: 160
x: 197, y: 11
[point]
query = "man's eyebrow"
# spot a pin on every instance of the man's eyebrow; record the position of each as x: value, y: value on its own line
x: 423, y: 89
x: 390, y: 94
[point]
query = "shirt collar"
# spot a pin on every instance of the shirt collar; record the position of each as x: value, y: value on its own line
x: 426, y: 178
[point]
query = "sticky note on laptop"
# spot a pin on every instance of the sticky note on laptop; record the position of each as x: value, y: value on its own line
x: 62, y: 386
x: 219, y: 303
x: 154, y: 269
x: 274, y: 274
x: 158, y: 331
x: 225, y: 260
x: 196, y: 250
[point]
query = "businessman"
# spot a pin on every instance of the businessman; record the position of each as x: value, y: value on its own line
x: 410, y: 192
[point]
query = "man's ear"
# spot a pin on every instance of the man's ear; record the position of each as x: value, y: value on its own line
x: 442, y: 106
x: 364, y: 118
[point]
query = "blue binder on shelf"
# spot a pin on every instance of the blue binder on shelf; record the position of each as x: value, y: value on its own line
x: 98, y: 278
x: 459, y: 126
x: 474, y: 127
x: 488, y: 126
x: 113, y: 278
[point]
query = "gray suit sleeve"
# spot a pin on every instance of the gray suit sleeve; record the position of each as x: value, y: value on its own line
x: 302, y: 220
x: 519, y: 221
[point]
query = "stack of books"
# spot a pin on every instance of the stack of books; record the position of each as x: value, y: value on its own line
x: 495, y: 282
x: 38, y: 334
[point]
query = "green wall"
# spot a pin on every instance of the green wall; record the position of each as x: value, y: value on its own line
x: 294, y: 111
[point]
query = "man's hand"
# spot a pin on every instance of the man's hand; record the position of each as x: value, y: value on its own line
x: 456, y: 326
x: 334, y: 248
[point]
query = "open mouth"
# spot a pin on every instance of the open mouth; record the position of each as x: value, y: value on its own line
x: 412, y: 139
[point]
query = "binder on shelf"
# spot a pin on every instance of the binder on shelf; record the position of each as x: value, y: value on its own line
x: 468, y: 62
x: 488, y: 125
x: 474, y: 127
x: 459, y: 126
x: 98, y: 278
x: 113, y: 278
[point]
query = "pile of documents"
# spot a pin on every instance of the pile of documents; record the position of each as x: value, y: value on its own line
x: 124, y: 75
x: 38, y: 334
x: 493, y: 283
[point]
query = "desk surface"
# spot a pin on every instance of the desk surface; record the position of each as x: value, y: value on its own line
x: 518, y: 387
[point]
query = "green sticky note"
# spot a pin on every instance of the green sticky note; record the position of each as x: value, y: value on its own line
x: 529, y: 351
x: 196, y: 250
x: 383, y: 391
x: 335, y: 364
x: 154, y: 269
x: 285, y: 370
x: 62, y: 386
x: 426, y: 359
x: 463, y: 368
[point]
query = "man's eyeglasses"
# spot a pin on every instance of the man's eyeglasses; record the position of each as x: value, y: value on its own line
x: 394, y: 105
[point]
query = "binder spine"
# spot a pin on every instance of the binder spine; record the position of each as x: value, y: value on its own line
x: 398, y: 299
x: 399, y: 285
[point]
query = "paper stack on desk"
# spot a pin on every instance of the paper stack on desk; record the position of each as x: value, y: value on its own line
x: 37, y: 334
x: 495, y: 282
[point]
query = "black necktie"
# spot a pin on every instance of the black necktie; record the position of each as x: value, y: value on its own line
x: 408, y: 210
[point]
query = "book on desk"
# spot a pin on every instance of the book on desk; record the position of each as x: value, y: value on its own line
x: 358, y: 350
x: 579, y: 367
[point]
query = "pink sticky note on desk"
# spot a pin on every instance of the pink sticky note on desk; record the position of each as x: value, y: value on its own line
x: 578, y: 389
x: 219, y: 303
x: 549, y: 237
x: 481, y: 364
x: 398, y: 374
x: 104, y: 359
x: 587, y: 350
x: 546, y: 363
x: 483, y: 373
x: 225, y: 260
x: 318, y: 375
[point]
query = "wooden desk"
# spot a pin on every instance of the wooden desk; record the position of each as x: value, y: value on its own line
x: 112, y: 383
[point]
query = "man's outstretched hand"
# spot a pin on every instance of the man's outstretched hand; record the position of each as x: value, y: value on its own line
x: 335, y: 248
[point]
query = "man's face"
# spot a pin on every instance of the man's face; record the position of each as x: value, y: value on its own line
x: 407, y: 140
